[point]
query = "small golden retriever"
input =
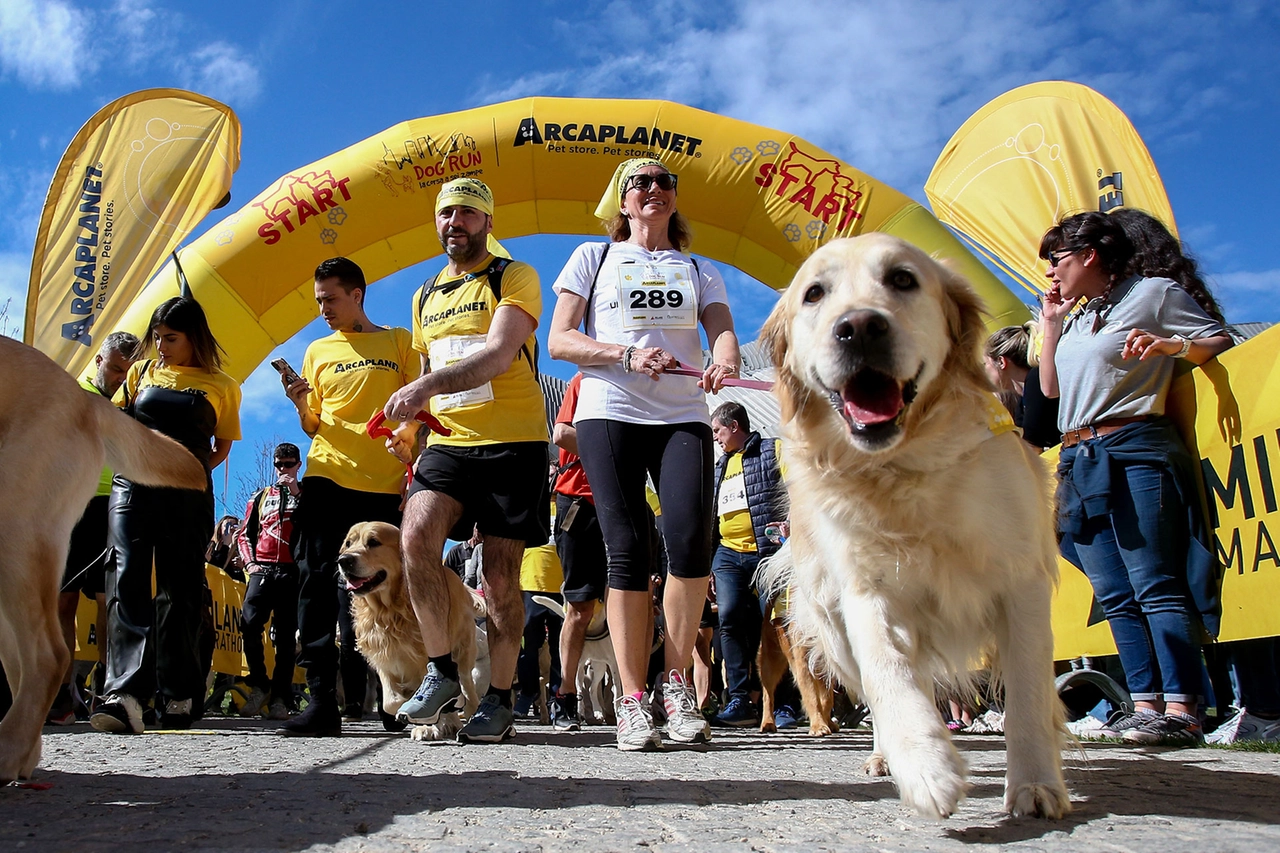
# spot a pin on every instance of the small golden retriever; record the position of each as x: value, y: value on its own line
x: 921, y: 524
x: 55, y: 438
x: 387, y: 632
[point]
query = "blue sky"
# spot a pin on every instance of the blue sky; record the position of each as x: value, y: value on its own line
x: 881, y: 85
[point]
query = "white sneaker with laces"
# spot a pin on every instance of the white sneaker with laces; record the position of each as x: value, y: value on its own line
x: 635, y: 727
x: 684, y: 722
x: 1241, y: 727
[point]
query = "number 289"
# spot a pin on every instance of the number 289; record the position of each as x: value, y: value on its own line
x: 656, y: 298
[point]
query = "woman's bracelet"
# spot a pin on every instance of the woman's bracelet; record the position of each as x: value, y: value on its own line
x: 626, y: 358
x: 1186, y: 346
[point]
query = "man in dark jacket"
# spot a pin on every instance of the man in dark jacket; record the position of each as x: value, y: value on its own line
x: 749, y: 495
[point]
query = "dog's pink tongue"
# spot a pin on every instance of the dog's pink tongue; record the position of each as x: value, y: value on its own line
x: 872, y: 398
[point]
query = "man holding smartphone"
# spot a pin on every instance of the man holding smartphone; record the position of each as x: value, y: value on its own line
x: 346, y: 377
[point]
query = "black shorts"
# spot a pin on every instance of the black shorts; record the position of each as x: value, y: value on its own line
x: 503, y: 488
x: 580, y: 546
x: 87, y: 559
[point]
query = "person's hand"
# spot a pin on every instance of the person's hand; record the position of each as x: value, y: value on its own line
x: 714, y: 376
x: 289, y: 481
x: 1053, y: 307
x: 1143, y: 344
x: 408, y: 401
x: 296, y: 391
x: 651, y: 361
x: 403, y: 442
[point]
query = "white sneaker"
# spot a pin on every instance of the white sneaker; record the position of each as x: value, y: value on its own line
x: 119, y: 714
x: 1243, y: 726
x: 635, y: 727
x: 684, y: 722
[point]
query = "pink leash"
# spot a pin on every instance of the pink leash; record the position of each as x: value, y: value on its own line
x: 686, y: 370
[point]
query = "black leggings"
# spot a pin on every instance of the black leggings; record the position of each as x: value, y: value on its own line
x: 616, y: 457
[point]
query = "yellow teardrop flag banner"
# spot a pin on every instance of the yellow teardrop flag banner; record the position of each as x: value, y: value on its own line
x: 758, y: 199
x: 1032, y: 156
x: 133, y: 183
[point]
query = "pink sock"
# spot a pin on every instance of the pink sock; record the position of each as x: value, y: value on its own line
x: 638, y: 696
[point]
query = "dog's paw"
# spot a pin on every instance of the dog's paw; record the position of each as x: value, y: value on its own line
x: 426, y: 733
x: 876, y: 765
x: 930, y: 778
x: 817, y: 728
x: 1038, y: 799
x: 768, y: 726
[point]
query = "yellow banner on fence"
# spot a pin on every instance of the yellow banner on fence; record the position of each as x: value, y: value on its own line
x: 1228, y: 411
x: 133, y: 183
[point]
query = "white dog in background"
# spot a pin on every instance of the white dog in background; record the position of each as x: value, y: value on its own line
x: 597, y: 681
x: 922, y: 534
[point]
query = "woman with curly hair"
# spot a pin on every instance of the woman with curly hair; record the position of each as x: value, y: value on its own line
x: 1128, y: 511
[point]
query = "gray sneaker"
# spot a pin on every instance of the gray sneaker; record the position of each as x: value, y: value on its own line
x: 491, y: 723
x: 436, y: 695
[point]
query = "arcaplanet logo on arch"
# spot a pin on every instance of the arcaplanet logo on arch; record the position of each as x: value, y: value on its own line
x: 613, y: 139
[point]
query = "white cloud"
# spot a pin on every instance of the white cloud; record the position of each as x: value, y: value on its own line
x: 885, y: 85
x: 44, y: 43
x: 221, y: 71
x: 1248, y: 296
x: 262, y: 398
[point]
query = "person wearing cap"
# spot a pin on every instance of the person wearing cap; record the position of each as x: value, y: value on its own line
x: 474, y: 328
x: 271, y: 590
x: 642, y: 299
x: 349, y: 478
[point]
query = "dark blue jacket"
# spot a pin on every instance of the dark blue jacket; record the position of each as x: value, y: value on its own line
x: 1084, y: 492
x: 766, y: 496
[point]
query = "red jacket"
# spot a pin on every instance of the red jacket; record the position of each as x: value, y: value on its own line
x: 267, y: 528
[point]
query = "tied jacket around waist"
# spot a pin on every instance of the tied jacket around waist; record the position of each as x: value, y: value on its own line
x: 1085, y: 474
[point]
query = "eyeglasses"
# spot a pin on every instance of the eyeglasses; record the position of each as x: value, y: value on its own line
x: 283, y: 464
x: 1056, y: 258
x: 664, y: 180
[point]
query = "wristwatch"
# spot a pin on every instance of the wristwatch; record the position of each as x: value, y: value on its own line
x: 1186, y: 346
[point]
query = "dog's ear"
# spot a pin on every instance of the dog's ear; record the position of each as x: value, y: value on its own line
x: 773, y: 336
x: 966, y: 324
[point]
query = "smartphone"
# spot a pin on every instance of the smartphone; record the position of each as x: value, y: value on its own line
x: 282, y: 367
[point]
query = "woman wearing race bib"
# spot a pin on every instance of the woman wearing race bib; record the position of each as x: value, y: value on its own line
x: 642, y: 300
x: 152, y: 639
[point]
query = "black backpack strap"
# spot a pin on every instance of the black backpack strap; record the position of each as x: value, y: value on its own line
x: 494, y: 274
x: 591, y: 292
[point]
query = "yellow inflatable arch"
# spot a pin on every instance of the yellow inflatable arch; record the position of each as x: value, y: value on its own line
x: 758, y: 199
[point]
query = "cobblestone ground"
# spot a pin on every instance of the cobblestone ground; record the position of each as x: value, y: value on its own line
x: 236, y: 785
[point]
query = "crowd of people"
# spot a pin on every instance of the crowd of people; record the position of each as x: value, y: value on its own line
x: 634, y: 435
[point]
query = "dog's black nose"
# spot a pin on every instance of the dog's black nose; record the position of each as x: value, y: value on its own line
x: 860, y: 324
x: 346, y: 561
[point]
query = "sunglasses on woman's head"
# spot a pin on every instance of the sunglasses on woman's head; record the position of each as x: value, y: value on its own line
x: 665, y: 181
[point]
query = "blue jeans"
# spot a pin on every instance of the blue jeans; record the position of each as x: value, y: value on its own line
x: 741, y: 616
x: 1134, y: 559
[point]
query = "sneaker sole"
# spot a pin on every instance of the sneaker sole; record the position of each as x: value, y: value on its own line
x: 647, y: 746
x: 573, y: 727
x: 453, y: 705
x: 700, y: 737
x: 510, y: 733
x: 110, y: 725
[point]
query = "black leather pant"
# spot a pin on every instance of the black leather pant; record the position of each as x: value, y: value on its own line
x: 156, y: 639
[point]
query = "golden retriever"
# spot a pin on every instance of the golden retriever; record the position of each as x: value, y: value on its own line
x: 778, y: 654
x: 922, y: 532
x: 55, y: 438
x: 387, y: 632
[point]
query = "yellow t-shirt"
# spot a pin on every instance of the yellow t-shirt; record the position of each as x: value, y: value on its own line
x: 540, y: 570
x: 222, y: 392
x: 736, y: 531
x: 104, y: 481
x: 352, y: 374
x: 450, y: 325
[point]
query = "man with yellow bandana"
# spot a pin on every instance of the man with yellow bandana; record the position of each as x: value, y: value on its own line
x: 474, y: 327
x: 348, y: 479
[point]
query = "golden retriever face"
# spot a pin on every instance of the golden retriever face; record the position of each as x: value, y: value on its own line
x: 370, y: 556
x: 866, y: 327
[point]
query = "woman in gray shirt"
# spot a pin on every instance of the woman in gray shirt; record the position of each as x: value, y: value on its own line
x: 1128, y: 512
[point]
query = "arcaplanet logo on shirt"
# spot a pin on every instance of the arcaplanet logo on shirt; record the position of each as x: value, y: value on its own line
x: 367, y: 364
x: 465, y: 308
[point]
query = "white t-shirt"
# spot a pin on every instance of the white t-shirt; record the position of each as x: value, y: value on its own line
x: 642, y: 298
